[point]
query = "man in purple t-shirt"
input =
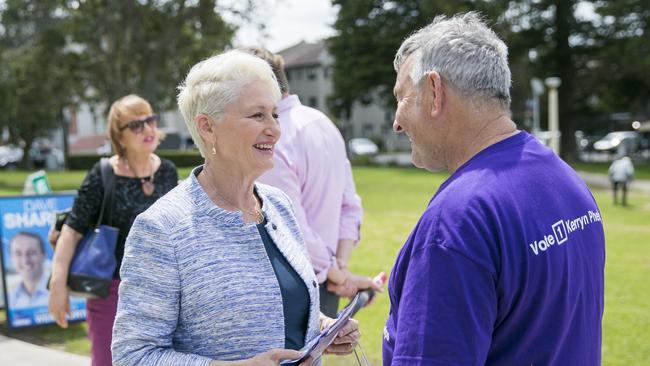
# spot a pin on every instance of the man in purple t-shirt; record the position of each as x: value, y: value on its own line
x: 506, y: 264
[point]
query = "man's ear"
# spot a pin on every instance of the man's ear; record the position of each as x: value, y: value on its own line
x: 434, y: 93
x: 206, y: 127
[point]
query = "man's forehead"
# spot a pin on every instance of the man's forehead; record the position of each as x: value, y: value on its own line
x: 404, y: 75
x: 23, y: 239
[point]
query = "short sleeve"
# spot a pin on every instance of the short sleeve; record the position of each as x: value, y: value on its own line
x: 449, y: 304
x: 88, y: 203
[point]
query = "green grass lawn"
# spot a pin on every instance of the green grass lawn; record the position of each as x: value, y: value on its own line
x: 393, y: 200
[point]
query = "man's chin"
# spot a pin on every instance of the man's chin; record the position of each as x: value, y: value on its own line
x: 433, y: 167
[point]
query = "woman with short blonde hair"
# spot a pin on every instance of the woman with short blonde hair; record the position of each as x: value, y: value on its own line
x: 216, y: 272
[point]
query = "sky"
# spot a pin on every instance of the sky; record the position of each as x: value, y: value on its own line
x: 288, y: 22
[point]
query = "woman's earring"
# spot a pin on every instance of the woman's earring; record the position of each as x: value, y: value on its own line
x: 214, y: 150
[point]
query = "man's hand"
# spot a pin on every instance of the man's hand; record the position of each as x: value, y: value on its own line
x: 353, y: 284
x: 346, y: 289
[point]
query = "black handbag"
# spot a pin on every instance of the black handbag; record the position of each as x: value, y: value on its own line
x: 93, y: 264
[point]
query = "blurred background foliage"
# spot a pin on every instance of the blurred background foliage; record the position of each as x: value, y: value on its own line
x: 600, y: 50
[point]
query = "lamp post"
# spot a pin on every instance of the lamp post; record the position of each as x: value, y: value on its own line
x: 537, y: 87
x: 553, y: 83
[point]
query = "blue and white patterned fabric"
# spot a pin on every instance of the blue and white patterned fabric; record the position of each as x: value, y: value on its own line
x: 197, y: 284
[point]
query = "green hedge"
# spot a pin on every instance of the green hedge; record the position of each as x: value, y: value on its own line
x: 181, y: 158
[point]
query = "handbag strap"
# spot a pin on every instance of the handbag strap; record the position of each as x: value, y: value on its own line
x: 108, y: 182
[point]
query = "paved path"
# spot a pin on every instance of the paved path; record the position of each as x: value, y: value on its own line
x: 602, y: 181
x: 18, y: 353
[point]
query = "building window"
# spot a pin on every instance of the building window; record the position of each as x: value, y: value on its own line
x: 326, y: 72
x: 388, y: 116
x: 311, y: 73
x: 298, y: 73
x: 288, y: 74
x: 368, y: 130
x: 313, y: 102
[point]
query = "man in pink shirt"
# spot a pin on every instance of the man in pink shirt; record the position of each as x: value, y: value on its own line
x: 311, y: 167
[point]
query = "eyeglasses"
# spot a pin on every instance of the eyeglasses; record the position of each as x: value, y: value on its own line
x: 137, y: 126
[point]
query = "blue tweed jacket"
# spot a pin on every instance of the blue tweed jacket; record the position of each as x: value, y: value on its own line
x: 197, y: 283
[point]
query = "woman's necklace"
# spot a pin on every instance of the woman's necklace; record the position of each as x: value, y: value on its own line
x: 148, y: 186
x: 256, y: 213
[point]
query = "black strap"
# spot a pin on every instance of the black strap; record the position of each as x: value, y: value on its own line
x: 108, y: 181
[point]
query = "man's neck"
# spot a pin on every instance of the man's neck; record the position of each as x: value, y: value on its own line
x: 477, y: 132
x: 31, y: 286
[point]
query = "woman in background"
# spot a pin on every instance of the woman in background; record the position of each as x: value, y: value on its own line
x: 141, y: 178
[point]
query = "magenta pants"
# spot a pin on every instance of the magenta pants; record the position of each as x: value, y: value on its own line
x: 100, y: 315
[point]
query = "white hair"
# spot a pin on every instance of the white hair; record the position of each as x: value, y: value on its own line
x: 465, y: 52
x: 214, y: 83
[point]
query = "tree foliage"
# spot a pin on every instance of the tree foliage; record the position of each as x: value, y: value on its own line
x: 369, y: 33
x: 37, y: 77
x: 602, y: 58
x: 144, y: 47
x: 57, y: 53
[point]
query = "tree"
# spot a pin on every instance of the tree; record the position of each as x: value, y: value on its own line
x: 56, y: 53
x: 545, y: 38
x: 144, y: 47
x: 37, y: 79
x: 369, y: 33
x: 622, y: 59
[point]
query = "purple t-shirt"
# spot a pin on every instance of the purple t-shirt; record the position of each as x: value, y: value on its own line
x: 505, y: 267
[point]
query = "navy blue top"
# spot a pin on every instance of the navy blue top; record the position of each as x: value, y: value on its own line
x: 505, y: 267
x: 295, y: 298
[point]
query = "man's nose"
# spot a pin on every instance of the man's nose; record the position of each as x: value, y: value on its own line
x: 397, y: 128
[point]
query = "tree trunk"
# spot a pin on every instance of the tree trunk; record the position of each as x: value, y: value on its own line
x: 26, y: 162
x: 565, y: 69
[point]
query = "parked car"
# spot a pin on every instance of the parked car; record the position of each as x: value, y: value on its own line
x: 584, y: 142
x: 10, y: 156
x: 619, y: 141
x: 362, y: 147
x: 45, y: 157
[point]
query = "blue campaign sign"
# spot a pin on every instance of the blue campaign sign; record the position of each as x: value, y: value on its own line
x: 27, y: 258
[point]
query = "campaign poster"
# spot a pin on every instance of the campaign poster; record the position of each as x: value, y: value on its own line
x: 27, y: 258
x: 2, y: 291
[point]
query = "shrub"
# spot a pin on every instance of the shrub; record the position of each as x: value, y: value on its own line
x: 181, y: 158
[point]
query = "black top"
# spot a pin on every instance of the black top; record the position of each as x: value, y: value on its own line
x: 295, y: 297
x: 129, y: 201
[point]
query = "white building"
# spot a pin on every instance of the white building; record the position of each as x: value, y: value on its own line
x: 309, y: 71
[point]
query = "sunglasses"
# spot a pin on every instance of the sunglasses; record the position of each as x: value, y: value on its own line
x: 137, y: 126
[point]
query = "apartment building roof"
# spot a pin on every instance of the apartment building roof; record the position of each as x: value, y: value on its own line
x: 304, y: 54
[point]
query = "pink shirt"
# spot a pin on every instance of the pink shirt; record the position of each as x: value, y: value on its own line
x: 312, y: 168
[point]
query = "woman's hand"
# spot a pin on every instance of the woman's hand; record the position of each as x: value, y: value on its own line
x: 59, y: 302
x: 271, y: 357
x: 346, y: 340
x: 53, y: 236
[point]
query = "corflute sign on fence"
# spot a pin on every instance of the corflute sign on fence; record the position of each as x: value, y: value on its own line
x: 27, y: 258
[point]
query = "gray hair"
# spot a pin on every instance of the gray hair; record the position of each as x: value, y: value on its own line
x: 214, y: 83
x: 465, y: 52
